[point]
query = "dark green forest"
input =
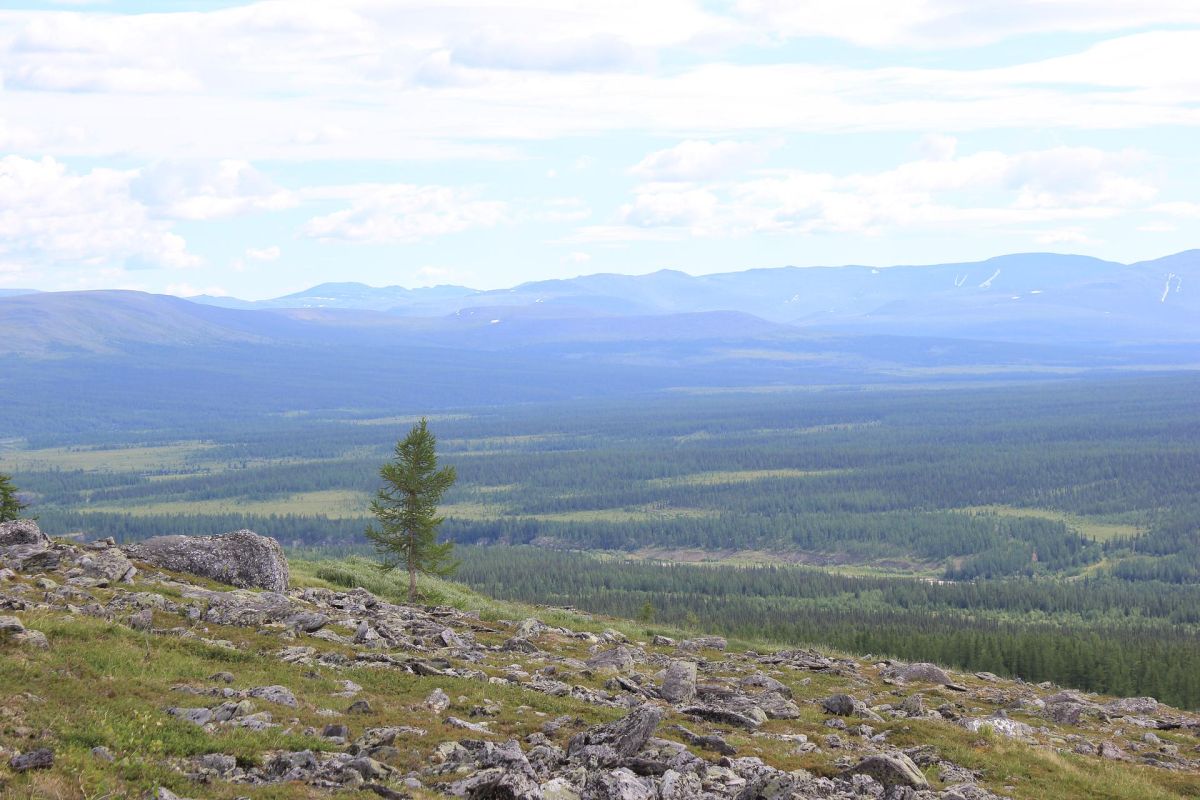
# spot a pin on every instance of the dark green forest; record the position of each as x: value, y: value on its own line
x: 1049, y: 530
x: 1104, y: 635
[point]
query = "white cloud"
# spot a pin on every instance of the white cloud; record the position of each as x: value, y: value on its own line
x: 50, y: 215
x: 944, y: 191
x: 698, y: 160
x: 1181, y: 209
x: 1065, y: 236
x: 271, y: 253
x: 658, y: 205
x: 15, y: 137
x: 937, y: 147
x: 957, y: 23
x: 187, y: 290
x: 404, y: 213
x: 198, y: 190
x: 300, y: 79
x: 562, y: 209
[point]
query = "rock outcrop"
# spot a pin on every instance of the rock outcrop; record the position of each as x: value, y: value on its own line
x: 242, y: 558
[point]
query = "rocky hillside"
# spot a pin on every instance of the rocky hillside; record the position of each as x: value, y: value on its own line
x: 135, y: 673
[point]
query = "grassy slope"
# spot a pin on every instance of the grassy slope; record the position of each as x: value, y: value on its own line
x: 105, y: 684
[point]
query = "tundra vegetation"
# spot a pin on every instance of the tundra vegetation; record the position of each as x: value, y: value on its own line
x: 123, y: 678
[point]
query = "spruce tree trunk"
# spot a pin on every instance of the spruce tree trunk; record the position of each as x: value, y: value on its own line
x: 412, y: 569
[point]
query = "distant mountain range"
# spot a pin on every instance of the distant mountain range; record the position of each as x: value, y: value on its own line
x: 118, y: 360
x: 1025, y: 297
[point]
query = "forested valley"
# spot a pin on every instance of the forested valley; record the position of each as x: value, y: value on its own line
x: 1047, y: 530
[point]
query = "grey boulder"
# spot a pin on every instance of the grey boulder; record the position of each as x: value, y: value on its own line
x: 891, y: 770
x: 922, y: 672
x: 242, y: 558
x: 21, y: 531
x: 679, y: 683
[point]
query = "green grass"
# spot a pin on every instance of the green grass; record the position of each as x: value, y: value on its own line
x: 333, y: 503
x: 179, y: 456
x: 1097, y: 530
x: 104, y: 684
x: 719, y: 478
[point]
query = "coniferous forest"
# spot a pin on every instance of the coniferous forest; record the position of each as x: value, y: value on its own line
x: 1049, y: 531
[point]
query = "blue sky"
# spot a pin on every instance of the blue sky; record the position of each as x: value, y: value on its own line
x: 259, y: 148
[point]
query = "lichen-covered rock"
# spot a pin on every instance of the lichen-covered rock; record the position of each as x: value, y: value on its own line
x: 242, y: 558
x: 618, y: 659
x: 1132, y: 705
x: 107, y: 565
x: 704, y: 643
x: 21, y: 531
x: 620, y: 784
x: 891, y: 770
x: 605, y: 744
x: 840, y: 704
x: 34, y: 639
x: 1001, y: 725
x: 276, y: 694
x: 923, y: 673
x: 679, y: 683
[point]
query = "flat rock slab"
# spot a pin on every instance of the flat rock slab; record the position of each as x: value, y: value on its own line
x: 242, y: 558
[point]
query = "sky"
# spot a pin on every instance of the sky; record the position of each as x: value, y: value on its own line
x: 257, y: 149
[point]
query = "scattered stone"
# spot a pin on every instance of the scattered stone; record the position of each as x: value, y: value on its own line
x: 725, y: 716
x: 1001, y: 725
x: 765, y: 683
x: 276, y: 694
x: 34, y: 639
x: 619, y: 784
x: 704, y: 643
x: 308, y: 621
x: 1112, y: 752
x: 840, y: 704
x: 913, y: 705
x: 437, y: 701
x: 455, y: 722
x: 618, y: 659
x: 714, y: 743
x: 1137, y: 706
x: 163, y: 793
x: 359, y: 707
x: 196, y: 716
x: 101, y: 752
x: 42, y: 758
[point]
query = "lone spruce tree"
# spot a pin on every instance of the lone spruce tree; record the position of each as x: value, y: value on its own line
x: 10, y: 504
x: 406, y: 508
